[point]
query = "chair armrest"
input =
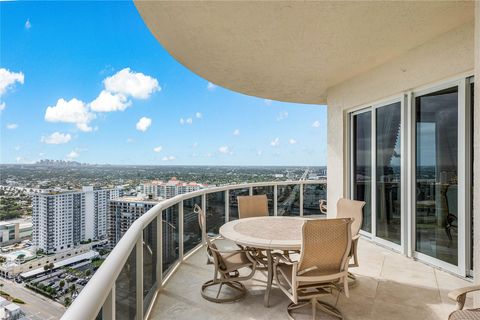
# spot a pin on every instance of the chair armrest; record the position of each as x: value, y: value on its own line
x: 459, y: 295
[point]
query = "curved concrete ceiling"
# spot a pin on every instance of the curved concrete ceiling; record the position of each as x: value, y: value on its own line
x: 294, y: 51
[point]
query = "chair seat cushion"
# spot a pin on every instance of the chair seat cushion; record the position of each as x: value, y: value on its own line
x: 468, y: 314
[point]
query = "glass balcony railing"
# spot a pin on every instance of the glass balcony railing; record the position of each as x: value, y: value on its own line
x: 125, y: 286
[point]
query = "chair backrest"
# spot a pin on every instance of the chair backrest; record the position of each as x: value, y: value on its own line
x: 326, y: 245
x: 252, y: 206
x: 347, y: 208
x: 213, y: 255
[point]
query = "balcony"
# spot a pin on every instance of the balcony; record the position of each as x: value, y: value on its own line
x: 157, y: 268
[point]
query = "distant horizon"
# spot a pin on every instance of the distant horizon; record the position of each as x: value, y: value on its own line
x: 165, y: 165
x: 107, y: 92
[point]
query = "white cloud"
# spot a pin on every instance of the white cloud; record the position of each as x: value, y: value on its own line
x: 211, y: 86
x: 316, y: 124
x: 275, y: 142
x: 282, y: 115
x: 168, y: 158
x: 195, y: 144
x: 225, y: 150
x: 186, y: 121
x: 16, y: 148
x: 130, y: 83
x: 143, y: 124
x: 199, y: 115
x: 2, y: 106
x: 259, y: 152
x: 268, y: 102
x: 209, y: 155
x: 157, y: 149
x: 236, y: 132
x: 19, y: 159
x: 12, y: 126
x: 292, y: 141
x: 28, y: 24
x: 129, y: 140
x: 8, y: 79
x: 73, y: 111
x: 73, y: 154
x: 108, y: 102
x: 56, y: 138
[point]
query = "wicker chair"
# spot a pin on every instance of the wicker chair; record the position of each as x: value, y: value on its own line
x: 322, y: 268
x: 227, y: 264
x: 352, y: 209
x: 460, y: 295
x: 252, y: 206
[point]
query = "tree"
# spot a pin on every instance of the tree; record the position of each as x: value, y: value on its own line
x: 61, y: 284
x: 88, y: 272
x: 72, y: 289
x: 46, y: 267
x: 67, y: 301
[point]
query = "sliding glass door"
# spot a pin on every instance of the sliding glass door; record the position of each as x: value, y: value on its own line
x: 436, y: 175
x: 362, y: 164
x: 411, y: 162
x: 388, y: 127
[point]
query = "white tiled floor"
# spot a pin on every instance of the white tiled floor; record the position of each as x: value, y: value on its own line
x: 390, y: 286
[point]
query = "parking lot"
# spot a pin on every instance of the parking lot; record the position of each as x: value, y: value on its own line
x: 63, y: 284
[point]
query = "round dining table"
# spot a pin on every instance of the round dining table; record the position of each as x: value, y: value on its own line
x: 266, y: 233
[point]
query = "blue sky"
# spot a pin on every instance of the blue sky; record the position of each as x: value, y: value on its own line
x: 76, y: 51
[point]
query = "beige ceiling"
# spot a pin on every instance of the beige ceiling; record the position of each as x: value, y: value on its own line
x: 294, y: 51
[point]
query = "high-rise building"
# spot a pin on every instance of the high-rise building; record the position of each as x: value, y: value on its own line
x: 61, y: 220
x: 125, y: 210
x: 169, y: 189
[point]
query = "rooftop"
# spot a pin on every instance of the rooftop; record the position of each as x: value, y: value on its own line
x: 390, y: 286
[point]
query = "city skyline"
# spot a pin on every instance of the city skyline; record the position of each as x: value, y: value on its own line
x: 105, y: 92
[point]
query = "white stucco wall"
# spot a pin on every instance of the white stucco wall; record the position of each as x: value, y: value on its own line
x: 441, y: 58
x: 476, y: 162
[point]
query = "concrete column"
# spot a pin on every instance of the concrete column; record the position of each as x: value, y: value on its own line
x: 336, y: 158
x: 476, y: 161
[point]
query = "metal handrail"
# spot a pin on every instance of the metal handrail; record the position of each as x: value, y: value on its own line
x: 101, y: 286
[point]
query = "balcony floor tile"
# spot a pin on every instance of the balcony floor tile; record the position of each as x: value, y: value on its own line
x: 390, y: 286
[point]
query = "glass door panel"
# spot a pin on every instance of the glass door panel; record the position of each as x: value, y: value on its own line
x: 362, y: 164
x: 436, y: 175
x: 388, y: 174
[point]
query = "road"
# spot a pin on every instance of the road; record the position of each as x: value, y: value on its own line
x: 36, y: 306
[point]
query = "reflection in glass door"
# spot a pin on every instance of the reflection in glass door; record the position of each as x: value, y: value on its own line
x: 436, y: 175
x: 388, y: 172
x: 362, y: 164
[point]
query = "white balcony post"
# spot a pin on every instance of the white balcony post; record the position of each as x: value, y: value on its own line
x: 204, y: 207
x: 301, y: 199
x: 159, y: 251
x: 227, y: 205
x: 250, y: 191
x: 139, y: 275
x: 180, y: 231
x: 275, y: 201
x: 108, y: 308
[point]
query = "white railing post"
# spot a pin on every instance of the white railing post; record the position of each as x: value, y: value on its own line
x: 159, y: 251
x: 275, y: 200
x: 250, y: 191
x: 180, y: 231
x: 227, y: 206
x: 204, y: 207
x: 139, y: 275
x: 301, y: 199
x: 108, y: 308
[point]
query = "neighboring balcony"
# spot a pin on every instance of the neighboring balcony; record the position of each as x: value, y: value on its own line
x: 157, y: 268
